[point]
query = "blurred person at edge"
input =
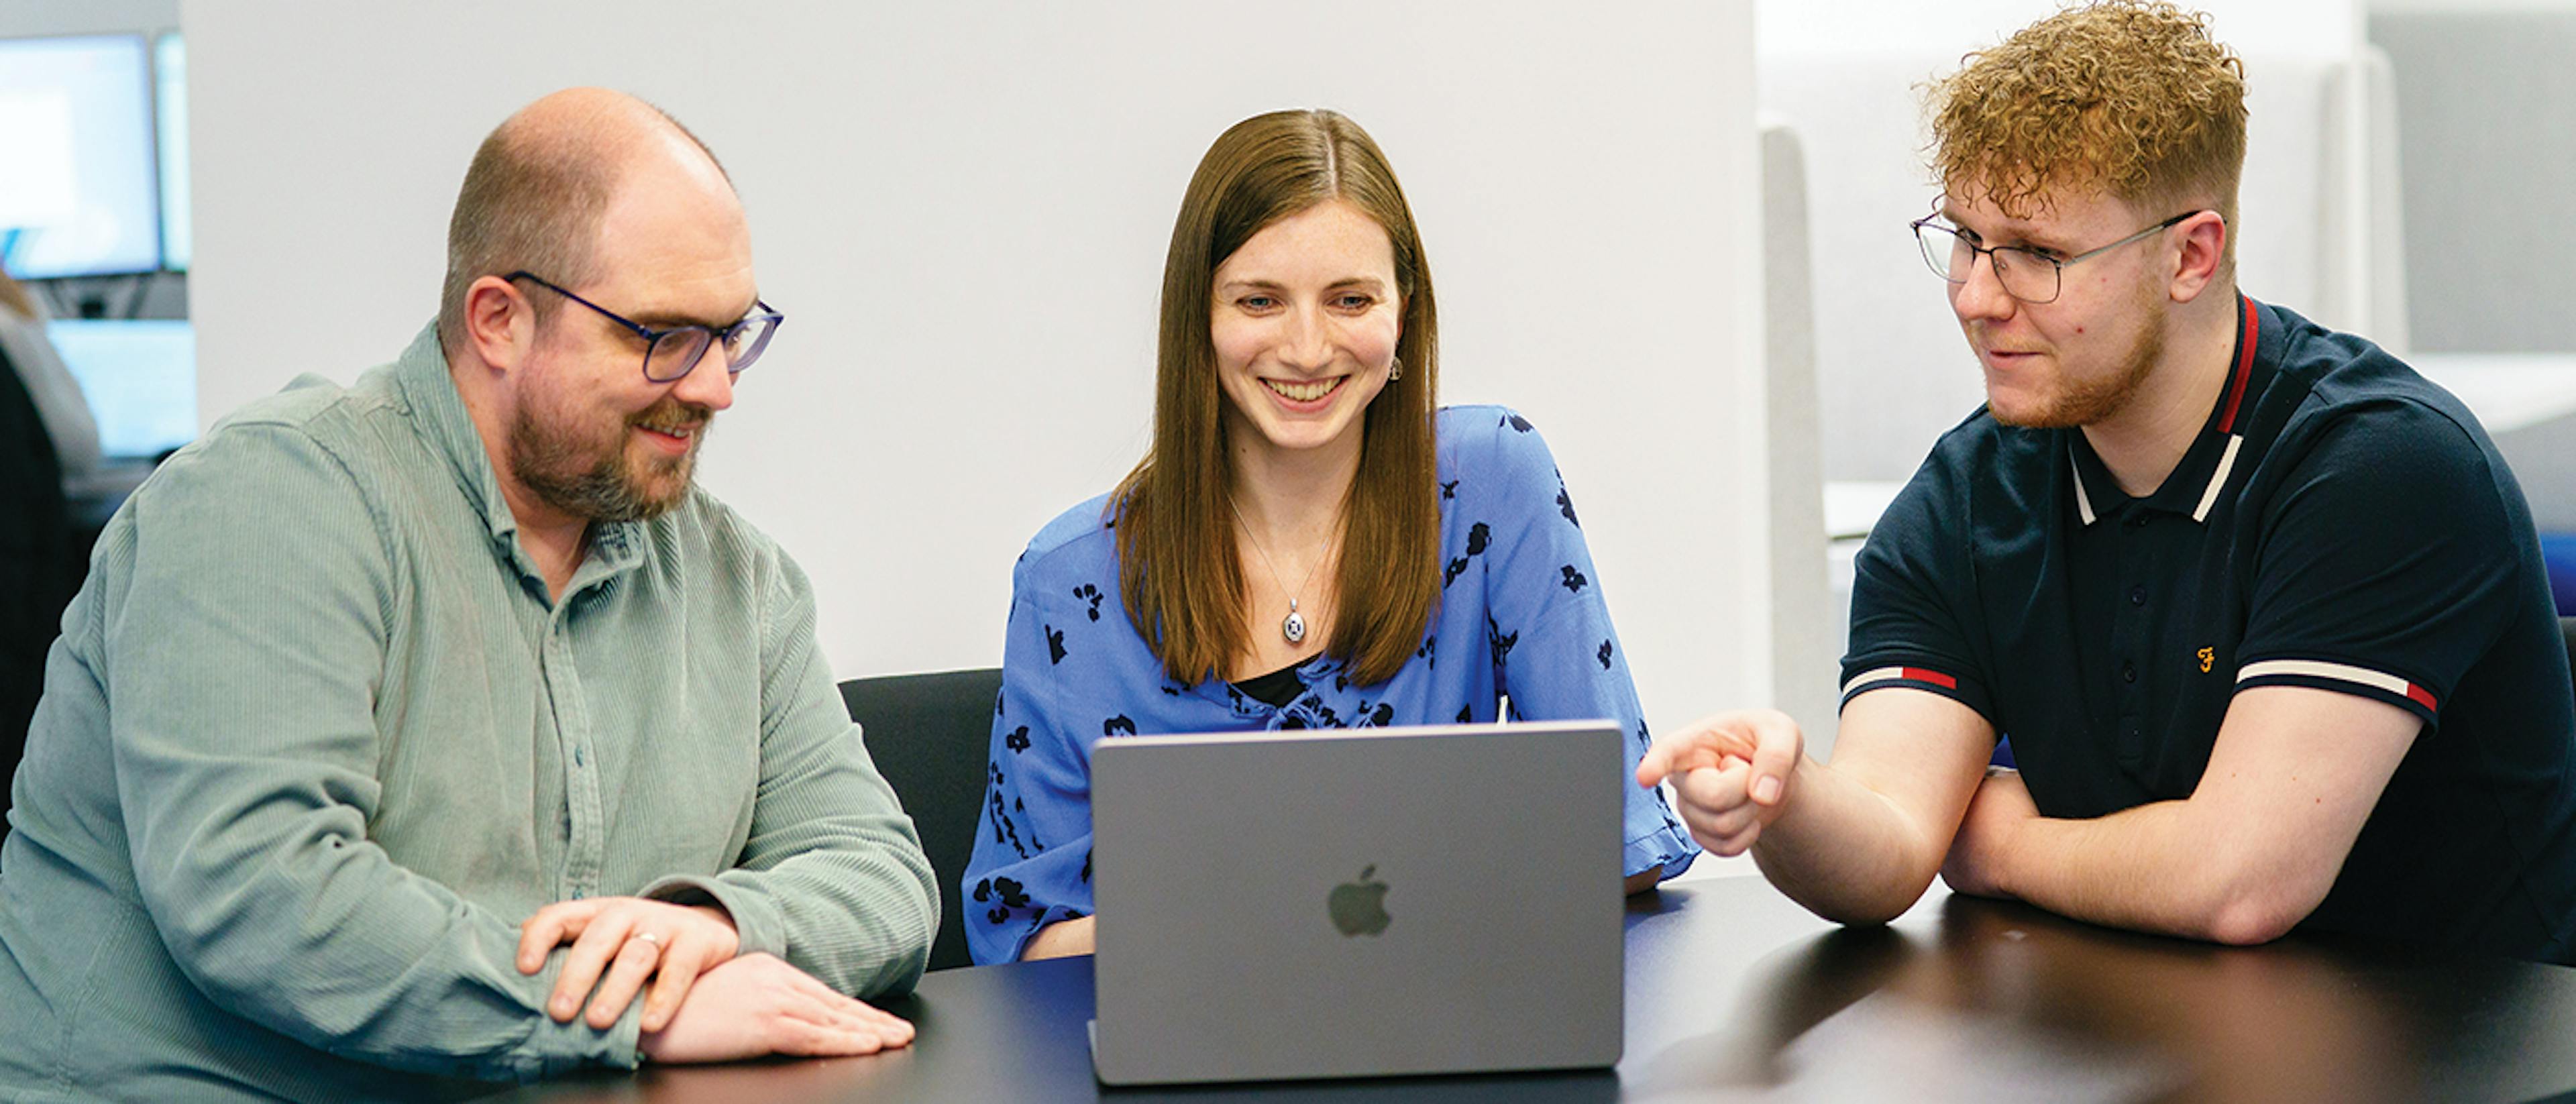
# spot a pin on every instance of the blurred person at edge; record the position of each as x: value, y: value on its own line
x: 51, y: 451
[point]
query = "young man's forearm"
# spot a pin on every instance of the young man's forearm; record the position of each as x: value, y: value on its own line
x: 2157, y: 868
x: 1847, y: 852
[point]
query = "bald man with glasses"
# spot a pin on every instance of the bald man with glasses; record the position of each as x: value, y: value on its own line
x: 437, y: 730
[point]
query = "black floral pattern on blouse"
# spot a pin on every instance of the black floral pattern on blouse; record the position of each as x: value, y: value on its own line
x: 1003, y: 894
x: 1479, y: 536
x: 1004, y: 831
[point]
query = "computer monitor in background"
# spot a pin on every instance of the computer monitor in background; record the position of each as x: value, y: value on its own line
x: 140, y: 378
x: 79, y: 195
x: 170, y: 92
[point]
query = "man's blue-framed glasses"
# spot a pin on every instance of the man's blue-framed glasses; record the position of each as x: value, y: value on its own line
x: 670, y: 354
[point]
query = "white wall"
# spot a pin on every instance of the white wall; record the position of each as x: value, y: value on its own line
x: 2251, y: 26
x: 2478, y: 7
x: 64, y: 17
x: 963, y: 208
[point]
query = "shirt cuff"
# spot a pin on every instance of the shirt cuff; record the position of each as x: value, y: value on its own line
x: 2325, y: 674
x: 1054, y: 914
x: 758, y: 928
x: 554, y: 1049
x: 1944, y: 679
x: 1666, y: 846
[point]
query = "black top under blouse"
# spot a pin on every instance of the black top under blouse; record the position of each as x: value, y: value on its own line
x: 1278, y: 688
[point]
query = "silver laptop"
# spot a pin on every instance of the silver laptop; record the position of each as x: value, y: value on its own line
x: 1357, y: 902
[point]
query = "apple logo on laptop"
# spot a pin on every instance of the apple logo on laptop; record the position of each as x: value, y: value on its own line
x: 1359, y: 908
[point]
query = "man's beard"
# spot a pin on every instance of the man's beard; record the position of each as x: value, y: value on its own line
x: 2091, y: 401
x: 595, y: 479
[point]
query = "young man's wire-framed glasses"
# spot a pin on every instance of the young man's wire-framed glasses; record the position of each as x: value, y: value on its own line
x: 2028, y: 274
x: 670, y: 354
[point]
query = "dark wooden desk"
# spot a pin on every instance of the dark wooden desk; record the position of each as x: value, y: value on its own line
x: 1734, y: 993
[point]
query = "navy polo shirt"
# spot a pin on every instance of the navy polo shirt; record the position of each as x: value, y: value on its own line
x: 2340, y: 523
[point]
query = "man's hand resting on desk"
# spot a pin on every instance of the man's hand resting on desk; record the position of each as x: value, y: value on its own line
x: 632, y: 939
x: 756, y: 1005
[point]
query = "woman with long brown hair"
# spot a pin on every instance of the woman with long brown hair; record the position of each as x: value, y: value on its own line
x: 1310, y: 543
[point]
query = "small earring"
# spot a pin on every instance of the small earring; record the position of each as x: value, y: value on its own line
x: 1395, y: 370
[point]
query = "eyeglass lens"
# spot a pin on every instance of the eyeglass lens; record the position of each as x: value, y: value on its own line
x: 2026, y: 277
x: 677, y: 352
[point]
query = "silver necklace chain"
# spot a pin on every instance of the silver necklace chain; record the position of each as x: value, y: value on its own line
x: 1293, y: 626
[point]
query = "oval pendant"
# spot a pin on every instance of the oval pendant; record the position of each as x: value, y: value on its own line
x: 1294, y: 628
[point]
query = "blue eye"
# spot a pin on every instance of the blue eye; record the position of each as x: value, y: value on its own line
x: 1256, y: 302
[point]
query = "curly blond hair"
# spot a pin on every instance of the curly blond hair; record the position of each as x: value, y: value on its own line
x: 2129, y: 97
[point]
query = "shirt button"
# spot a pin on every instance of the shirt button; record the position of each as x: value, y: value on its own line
x: 578, y: 895
x: 2138, y: 522
x: 2137, y: 596
x: 578, y: 759
x: 2128, y: 672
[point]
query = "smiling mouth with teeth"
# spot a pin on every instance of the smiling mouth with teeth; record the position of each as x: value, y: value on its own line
x: 1303, y: 392
x: 682, y: 430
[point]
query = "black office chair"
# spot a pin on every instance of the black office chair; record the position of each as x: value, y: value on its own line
x: 928, y: 734
x: 37, y: 576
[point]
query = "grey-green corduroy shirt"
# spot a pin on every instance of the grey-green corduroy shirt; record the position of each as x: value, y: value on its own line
x: 314, y: 742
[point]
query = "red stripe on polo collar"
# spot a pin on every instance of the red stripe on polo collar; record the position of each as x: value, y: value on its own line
x: 2244, y: 364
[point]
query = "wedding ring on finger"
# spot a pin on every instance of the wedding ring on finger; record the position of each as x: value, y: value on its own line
x: 652, y: 938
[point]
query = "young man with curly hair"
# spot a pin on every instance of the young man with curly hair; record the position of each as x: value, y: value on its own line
x: 2261, y: 611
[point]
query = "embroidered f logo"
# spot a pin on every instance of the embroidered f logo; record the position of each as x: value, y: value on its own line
x: 2207, y: 657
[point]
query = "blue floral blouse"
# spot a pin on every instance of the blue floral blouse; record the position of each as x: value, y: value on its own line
x: 1520, y: 616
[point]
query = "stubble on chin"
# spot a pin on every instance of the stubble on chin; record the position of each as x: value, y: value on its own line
x: 599, y: 479
x: 2090, y: 401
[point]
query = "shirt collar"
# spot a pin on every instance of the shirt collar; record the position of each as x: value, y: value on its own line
x: 2193, y: 487
x: 438, y: 410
